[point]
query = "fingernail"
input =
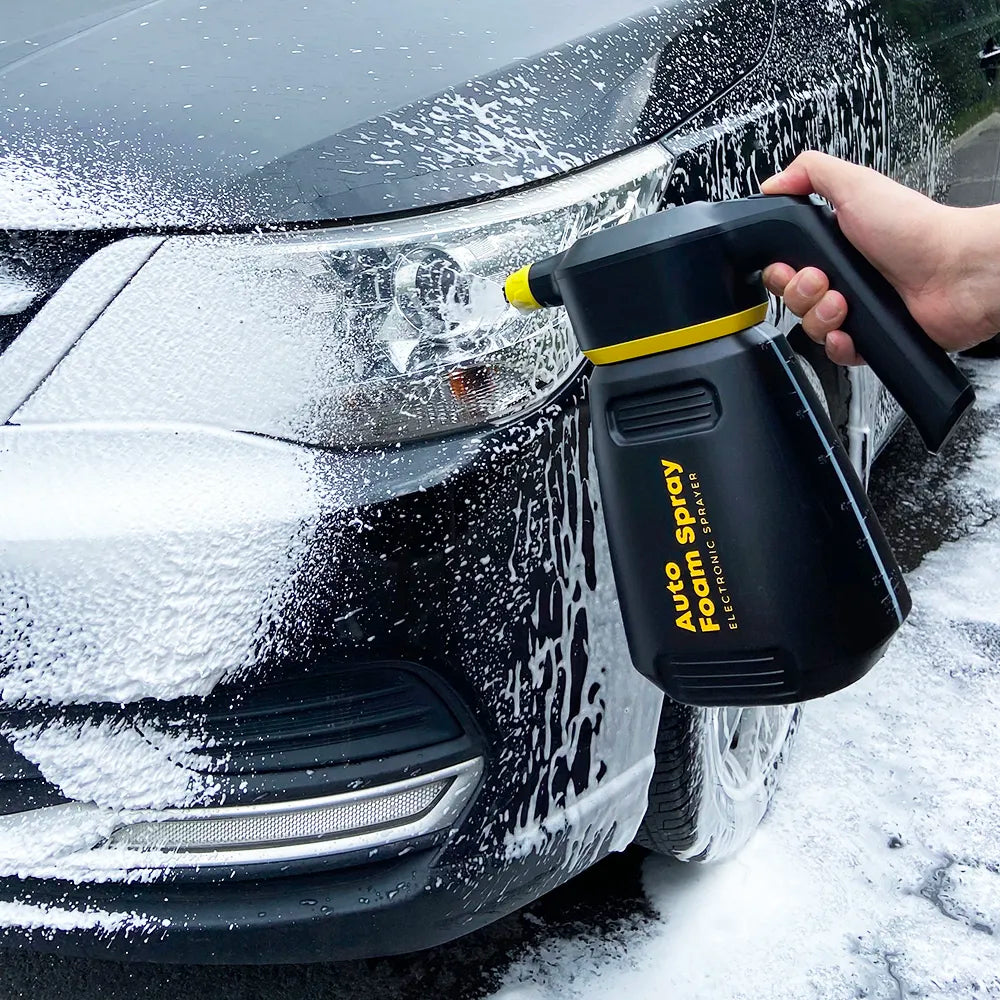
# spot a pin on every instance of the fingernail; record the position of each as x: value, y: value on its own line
x: 810, y: 284
x: 827, y: 311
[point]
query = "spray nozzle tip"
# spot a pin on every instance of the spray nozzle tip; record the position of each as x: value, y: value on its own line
x: 517, y: 290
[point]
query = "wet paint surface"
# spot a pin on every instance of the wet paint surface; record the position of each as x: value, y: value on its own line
x: 235, y: 114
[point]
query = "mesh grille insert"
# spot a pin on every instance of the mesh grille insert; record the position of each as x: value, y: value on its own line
x: 257, y: 830
x: 347, y: 826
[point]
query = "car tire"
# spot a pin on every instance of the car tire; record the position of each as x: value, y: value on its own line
x: 715, y: 774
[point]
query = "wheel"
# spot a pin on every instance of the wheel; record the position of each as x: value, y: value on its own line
x: 716, y: 771
x: 717, y: 768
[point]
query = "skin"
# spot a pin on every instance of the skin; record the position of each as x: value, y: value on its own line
x: 943, y: 261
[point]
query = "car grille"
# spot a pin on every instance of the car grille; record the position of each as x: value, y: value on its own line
x: 324, y: 731
x: 327, y: 718
x: 337, y: 763
x: 22, y: 786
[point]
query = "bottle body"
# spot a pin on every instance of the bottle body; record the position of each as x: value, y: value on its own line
x: 749, y: 564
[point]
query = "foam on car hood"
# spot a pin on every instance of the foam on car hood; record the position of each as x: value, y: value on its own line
x: 246, y: 112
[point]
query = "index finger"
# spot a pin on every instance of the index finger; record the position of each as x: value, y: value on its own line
x: 776, y: 277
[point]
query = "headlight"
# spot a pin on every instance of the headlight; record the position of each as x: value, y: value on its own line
x: 353, y: 335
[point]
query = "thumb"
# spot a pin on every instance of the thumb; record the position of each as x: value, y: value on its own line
x: 814, y: 172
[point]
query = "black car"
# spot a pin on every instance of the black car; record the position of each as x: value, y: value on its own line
x: 309, y: 645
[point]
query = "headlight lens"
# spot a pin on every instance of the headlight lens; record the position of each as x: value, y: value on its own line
x: 348, y: 336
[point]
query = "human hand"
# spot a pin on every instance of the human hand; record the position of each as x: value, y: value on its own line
x: 943, y: 261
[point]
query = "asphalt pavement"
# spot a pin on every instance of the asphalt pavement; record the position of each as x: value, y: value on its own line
x: 609, y: 906
x: 976, y: 165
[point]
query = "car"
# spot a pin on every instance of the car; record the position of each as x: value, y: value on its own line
x: 309, y: 642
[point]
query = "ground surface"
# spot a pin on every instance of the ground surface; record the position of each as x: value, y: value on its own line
x: 977, y: 165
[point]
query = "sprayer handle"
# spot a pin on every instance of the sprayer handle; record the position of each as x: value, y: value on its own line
x: 919, y: 374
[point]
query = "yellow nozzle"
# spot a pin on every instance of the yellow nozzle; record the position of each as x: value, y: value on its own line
x: 518, y: 291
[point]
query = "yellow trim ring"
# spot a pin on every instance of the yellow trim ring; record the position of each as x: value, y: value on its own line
x: 658, y: 342
x: 518, y: 291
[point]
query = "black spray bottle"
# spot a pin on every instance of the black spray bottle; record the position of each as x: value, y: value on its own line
x: 749, y: 564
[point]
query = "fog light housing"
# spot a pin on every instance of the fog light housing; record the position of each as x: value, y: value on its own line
x: 281, y: 831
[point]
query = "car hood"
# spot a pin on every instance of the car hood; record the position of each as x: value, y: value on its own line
x: 236, y: 113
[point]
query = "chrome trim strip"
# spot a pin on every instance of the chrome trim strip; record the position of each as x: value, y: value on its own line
x: 462, y: 780
x: 64, y: 319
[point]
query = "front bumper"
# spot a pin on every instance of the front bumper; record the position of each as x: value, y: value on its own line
x: 481, y: 559
x: 430, y: 895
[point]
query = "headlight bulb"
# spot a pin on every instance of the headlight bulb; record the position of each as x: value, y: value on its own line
x: 430, y: 285
x: 440, y: 295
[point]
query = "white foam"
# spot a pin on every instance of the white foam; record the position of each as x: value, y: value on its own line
x: 50, y: 918
x: 158, y: 573
x: 16, y: 294
x: 115, y: 765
